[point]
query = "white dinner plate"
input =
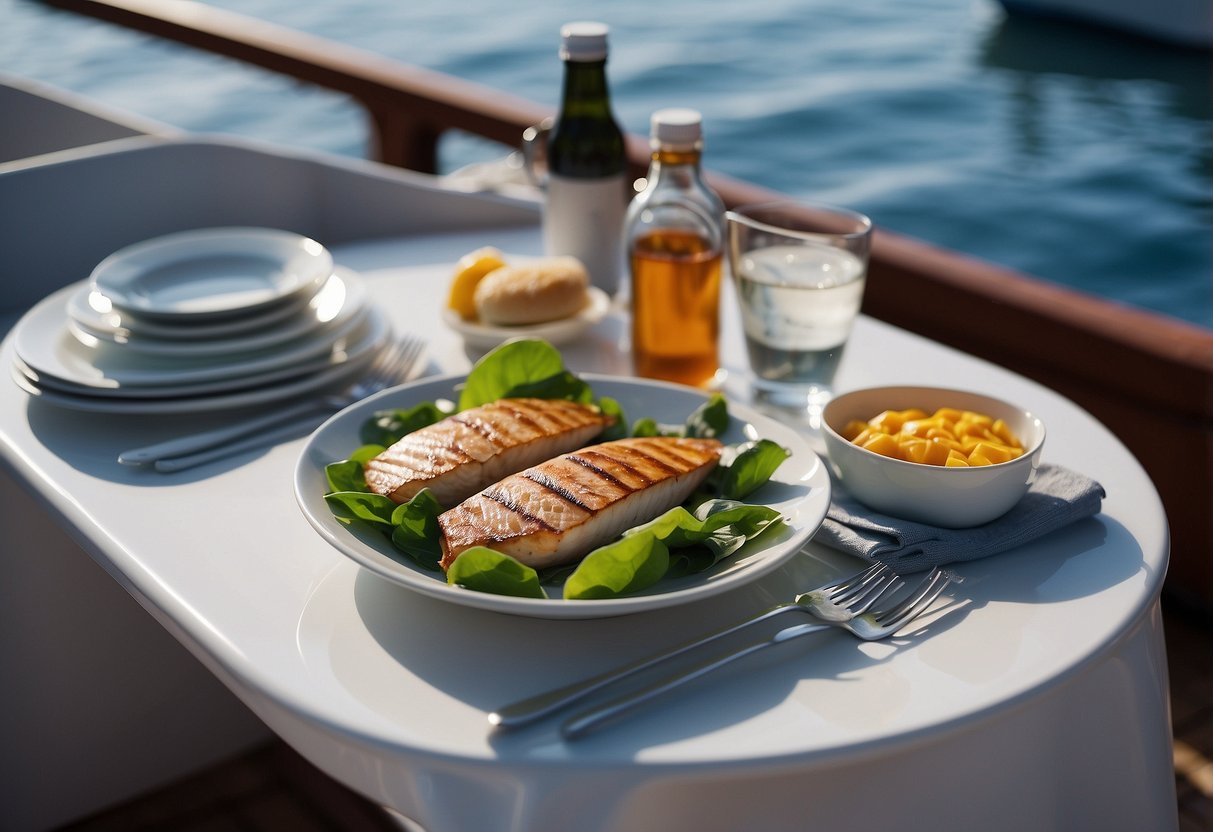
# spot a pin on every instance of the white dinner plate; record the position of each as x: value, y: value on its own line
x: 96, y: 315
x: 554, y: 332
x: 329, y: 375
x: 351, y: 347
x: 41, y: 339
x: 800, y: 490
x: 212, y: 272
x: 341, y: 297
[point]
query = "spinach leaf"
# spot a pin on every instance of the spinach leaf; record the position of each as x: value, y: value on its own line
x: 563, y: 385
x: 386, y: 426
x: 485, y: 570
x: 644, y: 554
x: 415, y: 529
x: 345, y: 475
x: 509, y: 367
x: 361, y: 505
x: 751, y: 467
x: 630, y: 564
x: 710, y: 419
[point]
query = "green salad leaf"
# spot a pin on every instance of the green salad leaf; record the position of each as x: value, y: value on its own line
x: 643, y: 555
x: 415, y: 529
x: 486, y: 570
x: 524, y: 365
x: 751, y: 465
x: 386, y: 426
x: 362, y: 505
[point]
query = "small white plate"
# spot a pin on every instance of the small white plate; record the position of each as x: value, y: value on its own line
x: 212, y: 272
x: 42, y: 341
x: 341, y: 297
x: 554, y: 332
x: 800, y: 490
x: 95, y: 314
x: 331, y: 375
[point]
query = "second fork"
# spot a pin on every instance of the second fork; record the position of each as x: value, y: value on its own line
x: 866, y: 587
x: 851, y: 616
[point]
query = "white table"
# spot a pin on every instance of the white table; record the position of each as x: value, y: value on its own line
x: 1039, y: 701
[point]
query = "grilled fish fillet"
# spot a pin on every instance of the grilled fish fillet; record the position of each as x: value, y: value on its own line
x: 560, y: 510
x: 467, y: 451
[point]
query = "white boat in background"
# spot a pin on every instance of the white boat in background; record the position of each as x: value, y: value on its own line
x: 1181, y: 22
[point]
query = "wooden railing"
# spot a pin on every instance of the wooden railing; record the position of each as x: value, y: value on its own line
x: 1147, y: 377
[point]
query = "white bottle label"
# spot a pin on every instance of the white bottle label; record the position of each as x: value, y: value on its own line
x: 584, y: 218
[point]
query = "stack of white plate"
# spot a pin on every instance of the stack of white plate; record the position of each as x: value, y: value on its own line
x: 201, y: 320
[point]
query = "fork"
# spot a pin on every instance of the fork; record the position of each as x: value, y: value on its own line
x: 392, y: 366
x: 851, y: 616
x: 862, y: 590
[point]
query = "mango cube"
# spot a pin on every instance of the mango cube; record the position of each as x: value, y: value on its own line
x: 883, y: 444
x: 853, y: 429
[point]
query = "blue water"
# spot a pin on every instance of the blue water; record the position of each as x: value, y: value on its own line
x: 1081, y: 157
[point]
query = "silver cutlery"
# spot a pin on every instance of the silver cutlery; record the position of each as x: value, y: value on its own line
x: 861, y: 591
x: 392, y: 366
x: 850, y: 616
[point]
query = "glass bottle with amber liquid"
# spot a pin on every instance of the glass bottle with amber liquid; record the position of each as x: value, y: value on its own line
x: 674, y: 232
x: 587, y: 191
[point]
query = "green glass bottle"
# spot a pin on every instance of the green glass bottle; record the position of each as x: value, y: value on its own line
x: 587, y: 165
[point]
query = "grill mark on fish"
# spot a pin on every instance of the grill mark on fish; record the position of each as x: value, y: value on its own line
x: 559, y: 510
x: 468, y: 451
x: 507, y: 500
x: 546, y: 482
x: 644, y: 478
x: 599, y: 471
x: 525, y: 416
x: 477, y: 426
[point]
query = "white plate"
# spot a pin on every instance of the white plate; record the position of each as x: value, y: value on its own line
x: 800, y: 490
x: 331, y: 376
x: 340, y: 298
x: 212, y: 272
x: 554, y: 332
x: 95, y: 313
x: 41, y: 339
x: 351, y: 348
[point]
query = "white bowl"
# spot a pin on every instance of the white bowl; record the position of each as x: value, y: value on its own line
x: 954, y: 498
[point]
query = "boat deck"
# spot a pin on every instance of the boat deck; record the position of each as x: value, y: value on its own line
x: 272, y: 788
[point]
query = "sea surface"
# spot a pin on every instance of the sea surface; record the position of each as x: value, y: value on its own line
x: 1076, y: 155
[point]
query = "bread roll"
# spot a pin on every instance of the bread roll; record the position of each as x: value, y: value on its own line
x: 532, y: 293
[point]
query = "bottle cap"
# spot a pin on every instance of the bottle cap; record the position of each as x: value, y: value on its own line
x: 677, y: 126
x: 583, y: 41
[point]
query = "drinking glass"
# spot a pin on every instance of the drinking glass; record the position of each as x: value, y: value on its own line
x: 800, y: 270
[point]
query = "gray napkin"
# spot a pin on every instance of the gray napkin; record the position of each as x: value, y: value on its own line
x: 1057, y: 498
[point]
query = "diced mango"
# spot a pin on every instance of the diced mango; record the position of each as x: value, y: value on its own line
x: 994, y: 453
x: 914, y: 450
x: 936, y: 454
x: 884, y: 445
x: 853, y: 429
x: 948, y: 437
x: 891, y: 421
x: 1003, y: 431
